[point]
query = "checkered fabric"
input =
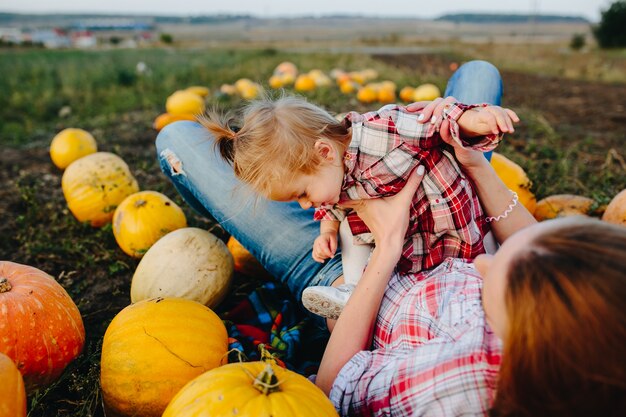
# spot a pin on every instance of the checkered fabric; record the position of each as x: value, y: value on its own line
x: 446, y: 219
x: 433, y: 353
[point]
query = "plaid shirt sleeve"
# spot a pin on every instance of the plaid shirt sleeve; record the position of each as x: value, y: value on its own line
x: 426, y: 135
x: 332, y: 213
x: 436, y: 378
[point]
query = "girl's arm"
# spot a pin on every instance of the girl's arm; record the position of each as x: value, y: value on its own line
x: 387, y: 219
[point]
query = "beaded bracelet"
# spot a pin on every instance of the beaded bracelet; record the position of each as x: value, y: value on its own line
x: 508, y: 210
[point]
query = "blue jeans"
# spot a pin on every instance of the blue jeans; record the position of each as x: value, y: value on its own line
x: 280, y: 235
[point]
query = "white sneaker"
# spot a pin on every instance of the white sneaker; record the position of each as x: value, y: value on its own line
x: 326, y: 301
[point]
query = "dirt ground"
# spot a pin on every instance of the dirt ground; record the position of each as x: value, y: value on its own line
x: 38, y: 230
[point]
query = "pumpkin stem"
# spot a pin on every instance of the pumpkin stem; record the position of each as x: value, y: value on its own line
x: 266, y: 381
x: 140, y: 203
x: 5, y: 285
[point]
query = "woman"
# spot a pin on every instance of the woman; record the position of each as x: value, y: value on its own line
x: 448, y: 365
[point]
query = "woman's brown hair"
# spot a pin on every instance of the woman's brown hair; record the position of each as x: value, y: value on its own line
x: 564, y: 354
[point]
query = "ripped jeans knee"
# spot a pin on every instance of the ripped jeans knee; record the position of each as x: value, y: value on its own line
x: 173, y: 162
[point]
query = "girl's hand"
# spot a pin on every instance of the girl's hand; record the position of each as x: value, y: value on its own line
x: 482, y: 121
x: 324, y: 246
x: 388, y: 217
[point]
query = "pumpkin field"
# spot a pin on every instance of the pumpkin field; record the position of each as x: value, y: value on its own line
x: 571, y: 141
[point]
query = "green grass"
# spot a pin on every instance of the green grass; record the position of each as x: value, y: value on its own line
x: 97, y: 85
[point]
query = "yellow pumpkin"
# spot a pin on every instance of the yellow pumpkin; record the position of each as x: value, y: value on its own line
x: 276, y: 81
x: 143, y: 218
x: 406, y: 94
x: 304, y: 82
x: 199, y: 90
x: 12, y: 392
x: 426, y: 92
x: 242, y: 84
x: 152, y: 349
x: 94, y: 185
x: 562, y: 205
x: 188, y: 263
x: 514, y: 177
x: 71, y: 144
x: 348, y: 86
x: 251, y: 91
x: 244, y: 262
x: 616, y: 210
x: 184, y: 102
x: 253, y: 389
x: 367, y: 94
x: 386, y: 95
x: 165, y: 119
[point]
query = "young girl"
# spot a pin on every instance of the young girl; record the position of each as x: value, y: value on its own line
x: 289, y: 149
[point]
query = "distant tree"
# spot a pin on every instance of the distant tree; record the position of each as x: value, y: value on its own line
x: 578, y: 41
x: 166, y: 38
x: 611, y: 31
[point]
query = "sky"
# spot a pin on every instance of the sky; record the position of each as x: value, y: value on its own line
x: 265, y: 8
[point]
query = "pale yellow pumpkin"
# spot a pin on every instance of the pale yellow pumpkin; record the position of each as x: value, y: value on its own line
x: 616, y: 210
x: 286, y: 68
x: 188, y: 263
x: 71, y: 144
x: 426, y: 92
x: 199, y: 90
x: 514, y: 177
x: 94, y: 185
x: 142, y: 219
x: 184, y: 102
x: 253, y: 389
x: 562, y: 205
x: 152, y: 349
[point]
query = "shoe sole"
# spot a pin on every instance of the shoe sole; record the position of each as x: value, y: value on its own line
x: 322, y: 306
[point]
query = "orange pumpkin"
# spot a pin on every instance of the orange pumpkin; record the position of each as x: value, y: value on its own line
x: 245, y: 262
x: 40, y: 326
x: 12, y: 394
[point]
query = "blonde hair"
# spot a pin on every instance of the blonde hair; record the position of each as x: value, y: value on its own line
x: 276, y: 140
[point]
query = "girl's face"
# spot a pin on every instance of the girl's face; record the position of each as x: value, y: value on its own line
x: 494, y: 270
x: 320, y: 188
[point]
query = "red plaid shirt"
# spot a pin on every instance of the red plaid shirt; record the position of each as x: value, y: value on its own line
x: 433, y: 353
x: 446, y: 219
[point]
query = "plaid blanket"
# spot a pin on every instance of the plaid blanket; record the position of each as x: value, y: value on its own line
x: 269, y: 315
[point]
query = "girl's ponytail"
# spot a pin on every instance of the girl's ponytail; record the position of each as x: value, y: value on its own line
x: 219, y: 126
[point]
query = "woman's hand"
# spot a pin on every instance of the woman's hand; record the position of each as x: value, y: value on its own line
x: 431, y: 112
x: 388, y: 217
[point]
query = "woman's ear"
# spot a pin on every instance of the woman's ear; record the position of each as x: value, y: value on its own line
x: 325, y: 150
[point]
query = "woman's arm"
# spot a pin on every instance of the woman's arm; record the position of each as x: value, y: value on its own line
x: 495, y: 198
x: 354, y: 328
x: 387, y: 219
